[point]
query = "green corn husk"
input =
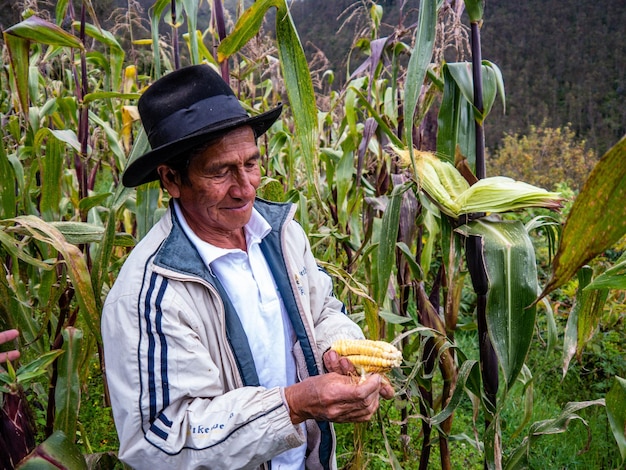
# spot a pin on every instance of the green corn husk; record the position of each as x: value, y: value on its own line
x: 447, y: 187
x: 440, y: 180
x: 502, y: 194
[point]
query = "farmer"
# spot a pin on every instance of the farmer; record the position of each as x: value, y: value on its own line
x: 218, y: 328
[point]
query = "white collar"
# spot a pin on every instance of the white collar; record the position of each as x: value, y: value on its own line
x: 256, y: 229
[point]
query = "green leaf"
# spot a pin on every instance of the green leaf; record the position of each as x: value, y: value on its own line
x: 18, y: 55
x: 67, y: 390
x: 387, y: 246
x: 247, y: 26
x: 57, y: 451
x: 612, y: 278
x: 147, y: 205
x: 455, y: 123
x: 191, y: 11
x: 518, y: 458
x: 584, y: 318
x: 597, y: 219
x: 37, y: 367
x: 155, y: 14
x: 294, y: 67
x: 469, y: 373
x: 76, y: 264
x: 300, y: 91
x: 345, y: 170
x: 616, y: 412
x: 39, y: 30
x: 105, y: 95
x: 115, y: 61
x: 512, y: 273
x: 8, y: 198
x: 418, y: 63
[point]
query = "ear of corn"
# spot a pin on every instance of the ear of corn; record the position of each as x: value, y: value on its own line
x: 447, y: 187
x: 369, y: 356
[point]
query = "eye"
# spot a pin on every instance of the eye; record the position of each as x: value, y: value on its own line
x: 252, y: 163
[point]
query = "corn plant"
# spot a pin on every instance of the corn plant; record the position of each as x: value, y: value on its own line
x: 399, y: 227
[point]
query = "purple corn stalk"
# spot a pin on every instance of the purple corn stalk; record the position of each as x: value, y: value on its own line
x: 17, y: 428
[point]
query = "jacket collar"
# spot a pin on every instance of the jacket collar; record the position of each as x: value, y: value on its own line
x: 178, y: 253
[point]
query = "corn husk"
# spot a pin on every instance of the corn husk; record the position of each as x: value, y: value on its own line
x: 454, y: 196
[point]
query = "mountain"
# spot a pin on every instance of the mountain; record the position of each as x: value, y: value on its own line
x: 563, y: 61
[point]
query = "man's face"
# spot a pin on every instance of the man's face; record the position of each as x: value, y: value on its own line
x: 223, y: 179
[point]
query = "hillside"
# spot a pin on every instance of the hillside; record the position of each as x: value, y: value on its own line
x: 562, y: 60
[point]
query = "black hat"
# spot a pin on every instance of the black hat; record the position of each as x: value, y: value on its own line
x: 184, y: 109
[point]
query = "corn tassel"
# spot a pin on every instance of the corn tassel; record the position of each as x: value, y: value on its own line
x: 369, y: 356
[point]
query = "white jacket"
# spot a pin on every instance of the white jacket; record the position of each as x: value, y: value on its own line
x: 182, y: 381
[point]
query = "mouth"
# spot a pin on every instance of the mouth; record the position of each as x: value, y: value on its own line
x: 240, y: 208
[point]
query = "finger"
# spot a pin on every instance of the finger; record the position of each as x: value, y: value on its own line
x: 347, y: 368
x: 8, y: 335
x: 331, y: 361
x: 386, y: 390
x: 9, y: 356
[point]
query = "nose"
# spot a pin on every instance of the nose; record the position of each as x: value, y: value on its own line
x: 244, y: 185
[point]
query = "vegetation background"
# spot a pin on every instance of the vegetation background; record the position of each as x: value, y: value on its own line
x: 561, y: 63
x: 562, y: 60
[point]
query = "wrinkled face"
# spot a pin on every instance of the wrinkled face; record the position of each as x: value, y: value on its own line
x: 222, y: 182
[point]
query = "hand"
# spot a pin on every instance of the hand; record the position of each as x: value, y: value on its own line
x: 334, y: 397
x: 342, y: 365
x: 6, y: 336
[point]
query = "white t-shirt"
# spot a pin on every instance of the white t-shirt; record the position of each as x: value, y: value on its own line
x: 249, y: 283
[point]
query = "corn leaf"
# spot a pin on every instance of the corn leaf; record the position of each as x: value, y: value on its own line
x: 57, y: 451
x: 616, y: 411
x: 8, y: 199
x: 191, y: 10
x: 115, y: 62
x: 597, y: 219
x: 455, y: 123
x: 35, y: 368
x: 299, y: 86
x: 39, y: 30
x: 584, y: 317
x: 512, y: 274
x: 519, y: 457
x: 418, y: 63
x: 155, y: 18
x: 76, y: 264
x: 612, y: 278
x: 67, y: 391
x: 461, y: 73
x: 387, y: 245
x: 18, y: 56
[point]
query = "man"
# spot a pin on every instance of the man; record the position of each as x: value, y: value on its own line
x: 216, y: 332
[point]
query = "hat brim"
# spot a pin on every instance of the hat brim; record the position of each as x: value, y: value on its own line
x: 143, y: 169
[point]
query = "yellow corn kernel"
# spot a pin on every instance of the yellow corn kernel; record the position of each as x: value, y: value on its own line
x: 369, y: 356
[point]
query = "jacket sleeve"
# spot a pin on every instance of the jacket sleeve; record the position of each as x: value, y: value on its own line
x: 171, y: 404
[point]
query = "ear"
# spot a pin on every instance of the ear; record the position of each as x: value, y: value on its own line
x: 170, y: 179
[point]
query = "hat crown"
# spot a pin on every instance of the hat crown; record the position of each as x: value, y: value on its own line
x: 184, y: 109
x: 186, y: 101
